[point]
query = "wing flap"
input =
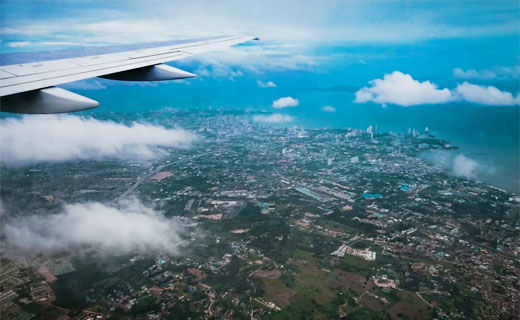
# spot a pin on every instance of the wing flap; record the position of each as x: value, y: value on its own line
x: 39, y: 67
x: 5, y: 75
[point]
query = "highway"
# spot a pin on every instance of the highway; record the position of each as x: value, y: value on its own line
x: 159, y: 168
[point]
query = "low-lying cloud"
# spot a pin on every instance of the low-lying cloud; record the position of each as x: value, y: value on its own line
x: 401, y: 89
x: 465, y: 167
x: 285, y: 102
x: 128, y: 227
x: 461, y: 165
x: 52, y: 138
x: 273, y: 118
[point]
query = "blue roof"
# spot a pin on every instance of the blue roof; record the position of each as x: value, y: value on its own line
x: 406, y: 187
x: 371, y: 195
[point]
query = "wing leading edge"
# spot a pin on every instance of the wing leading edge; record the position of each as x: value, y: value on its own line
x: 24, y: 88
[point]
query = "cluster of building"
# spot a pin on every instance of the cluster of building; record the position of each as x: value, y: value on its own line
x: 256, y: 195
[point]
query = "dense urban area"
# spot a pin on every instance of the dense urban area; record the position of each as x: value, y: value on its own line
x: 275, y: 223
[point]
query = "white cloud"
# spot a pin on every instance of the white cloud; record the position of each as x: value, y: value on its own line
x: 328, y: 109
x: 285, y: 102
x: 268, y: 84
x: 401, y: 89
x: 66, y: 137
x: 18, y: 44
x: 497, y: 72
x: 129, y: 227
x: 273, y: 118
x: 485, y: 95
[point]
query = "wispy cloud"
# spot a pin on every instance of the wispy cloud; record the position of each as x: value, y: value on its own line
x: 285, y: 102
x: 273, y: 118
x: 59, y: 43
x: 18, y: 44
x: 259, y: 58
x: 328, y: 109
x: 401, y: 89
x: 268, y: 84
x: 498, y: 72
x: 65, y: 137
x: 109, y: 229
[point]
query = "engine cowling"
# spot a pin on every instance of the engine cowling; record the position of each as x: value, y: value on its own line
x: 159, y: 72
x: 48, y: 100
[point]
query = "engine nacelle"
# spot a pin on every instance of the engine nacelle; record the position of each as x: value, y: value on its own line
x: 159, y: 72
x: 48, y: 100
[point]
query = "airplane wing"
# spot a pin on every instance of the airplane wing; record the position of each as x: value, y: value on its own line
x: 30, y: 87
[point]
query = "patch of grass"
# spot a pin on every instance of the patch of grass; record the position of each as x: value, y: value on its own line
x: 21, y: 316
x: 356, y: 264
x: 411, y: 305
x: 362, y: 313
x: 304, y: 255
x: 33, y: 308
x: 277, y: 292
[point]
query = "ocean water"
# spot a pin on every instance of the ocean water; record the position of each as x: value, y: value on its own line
x: 331, y: 74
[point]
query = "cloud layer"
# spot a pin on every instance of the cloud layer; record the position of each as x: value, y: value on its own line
x: 273, y: 118
x: 285, y: 102
x: 130, y: 227
x: 65, y: 137
x: 284, y: 21
x: 401, y: 89
x: 234, y: 61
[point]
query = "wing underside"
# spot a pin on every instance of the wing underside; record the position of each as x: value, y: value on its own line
x: 29, y: 87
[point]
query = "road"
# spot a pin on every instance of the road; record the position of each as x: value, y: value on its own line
x: 159, y: 168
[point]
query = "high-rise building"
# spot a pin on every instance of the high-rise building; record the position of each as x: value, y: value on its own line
x: 370, y: 131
